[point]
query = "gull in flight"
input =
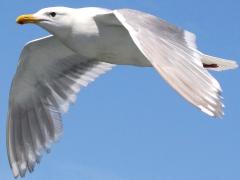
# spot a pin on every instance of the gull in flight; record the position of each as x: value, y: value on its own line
x: 85, y: 43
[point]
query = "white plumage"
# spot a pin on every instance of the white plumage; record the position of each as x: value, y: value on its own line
x: 84, y: 44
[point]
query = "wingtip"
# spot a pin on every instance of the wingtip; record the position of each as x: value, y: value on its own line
x: 15, y: 170
x: 213, y: 112
x: 207, y: 111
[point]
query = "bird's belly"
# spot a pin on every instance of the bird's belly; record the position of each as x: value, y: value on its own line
x: 117, y: 47
x: 86, y: 45
x: 114, y: 45
x: 123, y: 53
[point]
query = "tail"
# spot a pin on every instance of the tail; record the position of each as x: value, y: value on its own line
x: 217, y: 64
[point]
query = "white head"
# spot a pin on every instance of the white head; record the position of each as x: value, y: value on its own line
x: 52, y: 19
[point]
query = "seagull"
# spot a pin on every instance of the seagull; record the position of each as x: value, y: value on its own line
x: 85, y: 43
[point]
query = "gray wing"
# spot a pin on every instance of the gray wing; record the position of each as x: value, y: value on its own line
x: 48, y: 77
x: 172, y: 52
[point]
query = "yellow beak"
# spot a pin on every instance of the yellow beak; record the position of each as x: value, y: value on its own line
x: 27, y: 18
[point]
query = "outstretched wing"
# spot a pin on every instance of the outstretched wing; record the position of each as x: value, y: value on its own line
x: 172, y: 52
x: 48, y: 77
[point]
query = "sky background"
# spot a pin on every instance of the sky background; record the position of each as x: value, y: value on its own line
x: 129, y: 124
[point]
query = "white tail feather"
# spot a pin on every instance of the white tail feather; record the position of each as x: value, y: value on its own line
x: 218, y: 64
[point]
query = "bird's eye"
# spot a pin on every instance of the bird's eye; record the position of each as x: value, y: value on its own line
x: 53, y: 14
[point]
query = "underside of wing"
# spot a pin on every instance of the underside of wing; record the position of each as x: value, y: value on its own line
x: 47, y: 80
x: 172, y: 52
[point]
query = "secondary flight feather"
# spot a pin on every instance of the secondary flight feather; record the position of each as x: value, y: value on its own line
x: 85, y: 43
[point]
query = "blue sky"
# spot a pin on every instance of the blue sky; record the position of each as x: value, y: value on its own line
x: 129, y: 124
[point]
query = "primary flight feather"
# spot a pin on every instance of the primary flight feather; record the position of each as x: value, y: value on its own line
x: 84, y: 44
